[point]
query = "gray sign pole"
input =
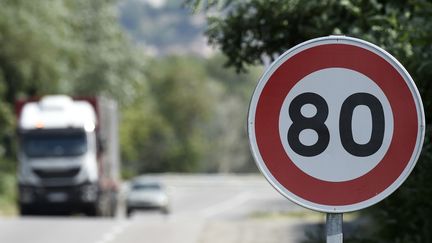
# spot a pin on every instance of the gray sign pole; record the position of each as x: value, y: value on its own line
x: 334, y: 228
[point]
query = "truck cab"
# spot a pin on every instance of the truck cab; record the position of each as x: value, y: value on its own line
x: 64, y: 161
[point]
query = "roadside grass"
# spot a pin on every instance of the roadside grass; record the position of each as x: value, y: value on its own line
x: 8, y: 194
x: 312, y: 223
x: 299, y: 214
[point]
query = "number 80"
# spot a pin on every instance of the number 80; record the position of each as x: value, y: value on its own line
x: 316, y: 123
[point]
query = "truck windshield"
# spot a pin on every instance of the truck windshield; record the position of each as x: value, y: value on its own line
x: 54, y: 145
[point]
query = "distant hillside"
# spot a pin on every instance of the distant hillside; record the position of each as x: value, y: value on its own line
x: 164, y: 26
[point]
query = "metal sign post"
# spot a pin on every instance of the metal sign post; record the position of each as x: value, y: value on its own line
x: 334, y: 223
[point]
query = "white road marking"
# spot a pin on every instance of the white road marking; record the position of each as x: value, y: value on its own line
x: 226, y: 205
x: 114, y: 232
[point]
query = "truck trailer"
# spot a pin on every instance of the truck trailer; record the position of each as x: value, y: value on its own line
x: 68, y: 155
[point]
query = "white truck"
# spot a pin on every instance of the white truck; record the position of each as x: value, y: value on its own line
x: 68, y: 155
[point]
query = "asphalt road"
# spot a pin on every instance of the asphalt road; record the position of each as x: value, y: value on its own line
x: 204, y: 209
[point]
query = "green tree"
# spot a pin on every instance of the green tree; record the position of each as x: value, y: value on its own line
x: 178, y: 113
x: 194, y: 121
x: 165, y: 133
x: 34, y: 37
x: 104, y: 59
x: 146, y: 138
x: 227, y: 128
x: 185, y: 99
x: 33, y: 40
x: 73, y: 47
x: 76, y: 47
x: 251, y: 31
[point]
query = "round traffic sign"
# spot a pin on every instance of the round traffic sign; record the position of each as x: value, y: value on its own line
x: 336, y: 124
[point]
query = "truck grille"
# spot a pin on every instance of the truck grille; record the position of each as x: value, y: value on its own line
x: 57, y: 173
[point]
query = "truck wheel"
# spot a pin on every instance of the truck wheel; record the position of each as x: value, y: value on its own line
x: 112, y: 212
x: 129, y: 212
x: 165, y: 210
x: 113, y: 206
x: 92, y: 210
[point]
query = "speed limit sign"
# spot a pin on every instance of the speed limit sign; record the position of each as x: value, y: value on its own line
x: 336, y: 124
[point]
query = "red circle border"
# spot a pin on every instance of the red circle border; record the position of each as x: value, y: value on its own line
x: 359, y: 59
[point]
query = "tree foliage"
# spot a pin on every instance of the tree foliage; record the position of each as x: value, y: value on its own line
x: 177, y: 113
x: 73, y: 47
x: 168, y: 137
x: 195, y: 120
x: 250, y: 31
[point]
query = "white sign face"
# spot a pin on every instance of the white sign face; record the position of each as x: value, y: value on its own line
x: 335, y: 85
x: 336, y: 124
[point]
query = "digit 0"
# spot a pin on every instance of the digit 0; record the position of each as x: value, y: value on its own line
x: 345, y: 124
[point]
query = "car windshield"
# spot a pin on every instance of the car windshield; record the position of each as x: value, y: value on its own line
x: 54, y: 144
x: 146, y: 186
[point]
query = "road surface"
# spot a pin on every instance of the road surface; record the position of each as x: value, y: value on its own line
x: 204, y: 209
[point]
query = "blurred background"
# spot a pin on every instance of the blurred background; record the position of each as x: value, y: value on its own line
x: 180, y: 75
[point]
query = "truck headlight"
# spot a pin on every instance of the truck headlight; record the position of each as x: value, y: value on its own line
x: 26, y: 195
x: 89, y: 192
